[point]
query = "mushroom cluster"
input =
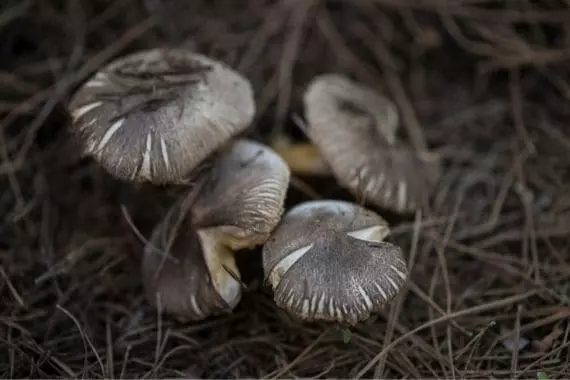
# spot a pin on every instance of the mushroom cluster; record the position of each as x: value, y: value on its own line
x: 156, y: 116
x: 239, y: 205
x: 159, y: 115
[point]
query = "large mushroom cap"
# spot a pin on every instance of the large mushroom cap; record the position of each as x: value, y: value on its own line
x: 327, y: 261
x: 354, y: 128
x: 239, y: 204
x: 157, y: 114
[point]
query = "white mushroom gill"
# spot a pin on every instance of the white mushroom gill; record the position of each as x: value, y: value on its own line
x: 391, y: 281
x: 287, y: 262
x: 305, y: 308
x: 164, y: 152
x: 99, y: 80
x: 401, y: 274
x: 381, y: 290
x: 374, y: 234
x: 220, y: 261
x: 194, y: 304
x: 365, y: 297
x: 321, y: 304
x: 145, y: 171
x: 402, y: 196
x: 109, y: 133
x: 78, y: 113
x: 387, y: 123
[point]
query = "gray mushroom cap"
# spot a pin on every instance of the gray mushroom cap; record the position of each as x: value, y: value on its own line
x: 155, y: 115
x: 239, y: 204
x: 355, y: 130
x: 327, y: 261
x: 244, y: 194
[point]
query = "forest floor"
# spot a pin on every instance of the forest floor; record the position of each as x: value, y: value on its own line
x: 484, y: 83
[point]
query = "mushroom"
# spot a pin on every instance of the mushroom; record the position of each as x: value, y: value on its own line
x: 355, y: 130
x: 327, y: 260
x: 239, y: 204
x: 155, y: 115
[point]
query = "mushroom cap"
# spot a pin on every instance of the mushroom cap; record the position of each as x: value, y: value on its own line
x: 244, y: 194
x: 327, y: 261
x: 193, y: 281
x: 355, y: 130
x: 155, y: 115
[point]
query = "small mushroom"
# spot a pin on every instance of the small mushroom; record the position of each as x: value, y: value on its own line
x: 239, y: 204
x: 355, y: 130
x: 327, y: 260
x: 155, y: 115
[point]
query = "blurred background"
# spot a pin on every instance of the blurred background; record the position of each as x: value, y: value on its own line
x: 484, y: 83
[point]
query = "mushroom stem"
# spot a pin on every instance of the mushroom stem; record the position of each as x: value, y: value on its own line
x: 220, y: 261
x: 302, y: 158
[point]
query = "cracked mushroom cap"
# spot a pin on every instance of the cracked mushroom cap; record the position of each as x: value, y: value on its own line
x: 238, y: 205
x: 327, y: 261
x: 355, y: 130
x: 155, y: 115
